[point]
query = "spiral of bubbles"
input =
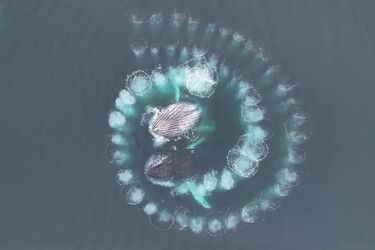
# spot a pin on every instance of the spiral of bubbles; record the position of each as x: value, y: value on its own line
x: 206, y: 134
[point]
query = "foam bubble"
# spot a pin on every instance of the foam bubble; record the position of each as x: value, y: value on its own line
x: 255, y: 134
x: 224, y: 32
x: 154, y: 49
x: 252, y: 97
x: 201, y: 80
x: 210, y: 181
x: 150, y: 208
x: 296, y: 128
x: 177, y: 19
x: 120, y: 157
x: 227, y: 181
x: 241, y: 164
x: 163, y: 218
x: 282, y: 189
x: 197, y: 224
x: 250, y: 213
x: 181, y: 219
x: 126, y: 97
x: 116, y: 120
x: 177, y: 76
x: 284, y: 88
x: 270, y: 74
x: 295, y: 156
x: 159, y: 78
x: 255, y: 152
x: 238, y: 37
x: 135, y: 195
x: 156, y: 20
x: 215, y: 226
x: 242, y: 88
x: 125, y: 109
x: 287, y: 176
x: 119, y: 140
x: 138, y: 83
x: 181, y: 189
x: 252, y: 114
x: 232, y: 220
x: 125, y: 177
x: 201, y: 191
x: 269, y: 202
x: 295, y: 134
x: 139, y: 48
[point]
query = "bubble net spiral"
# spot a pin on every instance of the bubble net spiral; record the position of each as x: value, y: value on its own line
x: 247, y: 144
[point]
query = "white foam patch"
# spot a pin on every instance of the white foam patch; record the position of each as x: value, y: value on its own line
x: 287, y: 175
x: 269, y: 203
x: 164, y: 216
x: 282, y: 189
x: 177, y: 75
x: 181, y: 219
x: 241, y: 164
x: 154, y: 51
x: 119, y: 157
x: 255, y: 134
x: 139, y: 47
x: 124, y: 176
x: 201, y: 80
x: 126, y: 97
x: 181, y: 189
x: 135, y: 195
x: 118, y: 139
x: 252, y: 97
x: 159, y: 78
x: 295, y: 127
x: 138, y: 83
x: 201, y: 191
x: 116, y: 120
x: 196, y: 224
x: 255, y: 152
x: 156, y: 19
x: 177, y: 19
x: 227, y: 181
x: 210, y: 181
x: 238, y: 37
x: 252, y: 113
x: 249, y: 213
x: 214, y: 226
x: 295, y: 156
x: 150, y: 208
x: 232, y: 221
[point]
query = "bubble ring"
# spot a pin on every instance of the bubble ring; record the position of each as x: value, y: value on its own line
x: 196, y: 73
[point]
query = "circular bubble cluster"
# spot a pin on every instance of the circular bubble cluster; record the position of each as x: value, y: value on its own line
x: 206, y: 133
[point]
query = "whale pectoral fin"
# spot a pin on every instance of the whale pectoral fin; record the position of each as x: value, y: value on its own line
x: 199, y: 198
x: 196, y: 143
x: 177, y: 93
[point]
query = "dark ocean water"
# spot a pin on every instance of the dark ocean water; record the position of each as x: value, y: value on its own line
x: 62, y: 64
